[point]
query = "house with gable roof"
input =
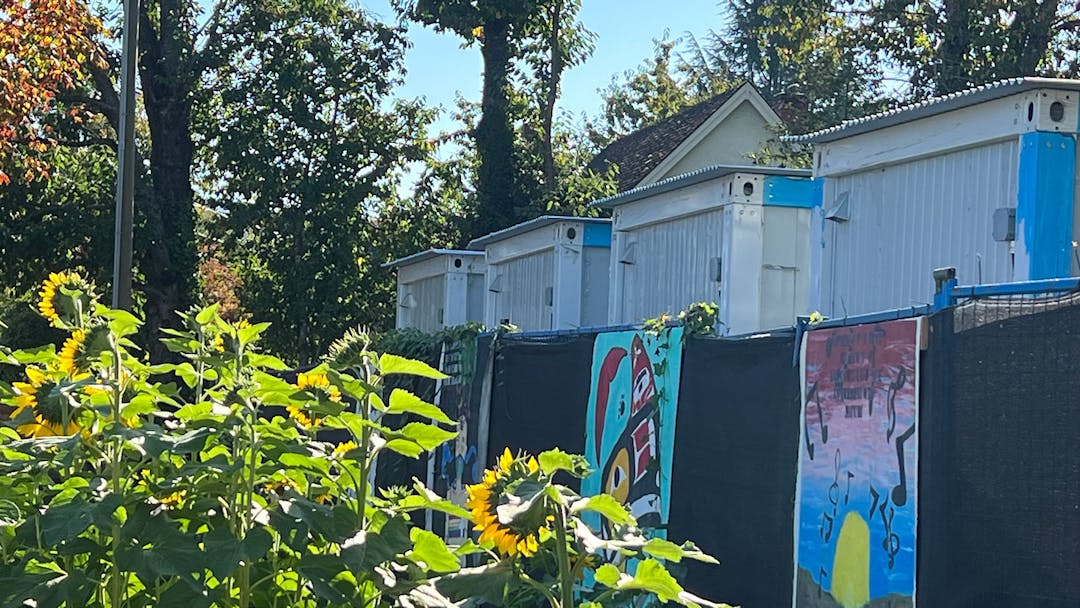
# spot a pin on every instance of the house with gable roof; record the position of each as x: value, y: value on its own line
x: 722, y: 130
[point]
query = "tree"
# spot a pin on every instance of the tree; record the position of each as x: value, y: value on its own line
x: 303, y: 152
x: 942, y: 46
x: 46, y: 46
x: 802, y: 55
x: 653, y: 91
x: 497, y: 26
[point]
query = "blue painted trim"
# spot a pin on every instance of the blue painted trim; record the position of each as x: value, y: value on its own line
x: 818, y: 195
x: 596, y: 235
x: 944, y: 298
x: 1044, y: 205
x: 875, y: 317
x: 781, y: 191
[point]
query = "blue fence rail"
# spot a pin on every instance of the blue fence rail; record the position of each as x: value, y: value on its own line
x: 949, y: 293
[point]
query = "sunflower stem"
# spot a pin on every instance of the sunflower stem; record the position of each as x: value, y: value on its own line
x: 365, y: 449
x: 566, y: 579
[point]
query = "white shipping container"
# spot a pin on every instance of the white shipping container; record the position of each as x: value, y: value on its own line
x: 547, y: 273
x: 982, y: 180
x: 439, y: 288
x: 736, y: 236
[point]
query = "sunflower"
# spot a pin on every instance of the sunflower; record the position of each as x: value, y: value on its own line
x: 57, y: 307
x: 484, y: 500
x: 319, y: 382
x: 343, y: 448
x: 301, y: 417
x: 71, y: 349
x: 80, y: 347
x: 48, y: 419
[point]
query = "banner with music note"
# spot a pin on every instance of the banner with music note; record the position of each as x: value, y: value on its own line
x: 855, y: 499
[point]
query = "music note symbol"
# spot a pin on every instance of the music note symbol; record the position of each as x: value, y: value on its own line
x: 826, y: 534
x: 821, y: 580
x: 899, y: 492
x: 847, y: 491
x: 876, y: 496
x: 894, y: 388
x: 811, y: 397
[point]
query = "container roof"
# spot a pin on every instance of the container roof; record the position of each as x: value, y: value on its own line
x: 533, y: 224
x: 427, y: 255
x: 694, y: 177
x: 932, y: 106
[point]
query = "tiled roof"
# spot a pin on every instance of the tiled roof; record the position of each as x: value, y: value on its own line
x: 638, y: 153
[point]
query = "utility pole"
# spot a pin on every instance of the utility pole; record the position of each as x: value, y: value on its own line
x: 125, y: 169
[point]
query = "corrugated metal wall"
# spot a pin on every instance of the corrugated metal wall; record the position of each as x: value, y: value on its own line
x: 671, y: 266
x: 429, y: 294
x: 910, y: 218
x: 522, y: 286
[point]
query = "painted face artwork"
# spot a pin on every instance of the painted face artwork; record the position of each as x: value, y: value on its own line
x: 631, y: 420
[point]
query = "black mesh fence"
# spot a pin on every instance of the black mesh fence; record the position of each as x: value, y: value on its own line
x: 1000, y: 455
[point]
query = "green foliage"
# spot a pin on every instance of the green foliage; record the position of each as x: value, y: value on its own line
x: 297, y: 130
x: 152, y: 485
x: 699, y: 319
x: 206, y: 483
x: 538, y: 536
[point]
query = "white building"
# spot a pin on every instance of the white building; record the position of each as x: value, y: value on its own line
x: 983, y: 180
x: 439, y: 288
x: 547, y: 273
x: 736, y: 236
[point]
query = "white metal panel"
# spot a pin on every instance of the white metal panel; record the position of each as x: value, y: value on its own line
x: 670, y: 269
x: 595, y: 280
x: 425, y: 299
x: 785, y: 278
x: 523, y: 285
x: 475, y: 304
x: 908, y: 219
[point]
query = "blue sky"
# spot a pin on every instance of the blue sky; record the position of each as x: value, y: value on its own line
x: 438, y: 68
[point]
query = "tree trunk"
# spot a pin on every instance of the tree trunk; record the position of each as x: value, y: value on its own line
x: 169, y: 261
x: 548, y: 111
x: 494, y: 137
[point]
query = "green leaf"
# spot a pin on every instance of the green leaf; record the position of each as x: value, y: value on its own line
x: 402, y: 401
x: 487, y: 583
x: 207, y: 314
x: 393, y: 364
x: 608, y: 575
x: 251, y: 332
x: 427, y: 436
x: 605, y: 505
x: 555, y: 460
x: 431, y: 550
x: 653, y: 577
x: 267, y: 362
x: 404, y: 447
x: 121, y: 322
x: 663, y: 549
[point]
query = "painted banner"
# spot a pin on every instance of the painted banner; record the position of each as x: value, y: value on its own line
x: 630, y: 421
x: 456, y: 463
x: 855, y: 499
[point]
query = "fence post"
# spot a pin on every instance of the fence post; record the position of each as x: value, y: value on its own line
x: 944, y: 282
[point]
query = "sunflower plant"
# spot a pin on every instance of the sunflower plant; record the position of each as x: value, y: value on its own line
x: 540, y: 548
x: 208, y: 482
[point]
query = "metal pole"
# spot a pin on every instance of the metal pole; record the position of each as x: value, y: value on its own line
x: 125, y: 169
